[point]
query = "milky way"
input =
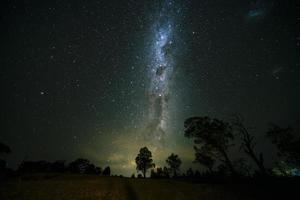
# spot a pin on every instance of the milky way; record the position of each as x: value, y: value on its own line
x: 161, y: 68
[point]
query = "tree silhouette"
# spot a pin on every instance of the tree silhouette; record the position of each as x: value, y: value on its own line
x: 58, y: 166
x: 248, y: 144
x: 144, y: 161
x: 80, y: 165
x: 243, y: 167
x: 213, y: 138
x: 287, y: 144
x: 153, y: 174
x: 159, y: 172
x: 106, y: 171
x: 34, y: 166
x: 190, y: 172
x: 204, y: 157
x: 174, y: 163
x: 166, y: 172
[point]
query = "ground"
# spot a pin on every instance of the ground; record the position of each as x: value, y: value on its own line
x: 77, y: 187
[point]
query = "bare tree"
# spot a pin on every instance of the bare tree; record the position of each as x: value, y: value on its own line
x: 248, y: 144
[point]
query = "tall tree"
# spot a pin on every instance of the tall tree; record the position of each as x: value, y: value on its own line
x: 212, y: 138
x: 174, y: 163
x: 144, y: 161
x: 248, y: 144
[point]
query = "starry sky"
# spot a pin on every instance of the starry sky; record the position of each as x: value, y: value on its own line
x: 101, y: 79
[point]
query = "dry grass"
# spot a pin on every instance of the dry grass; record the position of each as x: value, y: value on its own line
x: 77, y: 187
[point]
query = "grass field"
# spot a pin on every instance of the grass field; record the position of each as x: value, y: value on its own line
x: 77, y: 187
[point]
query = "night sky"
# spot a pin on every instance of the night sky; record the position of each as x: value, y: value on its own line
x: 101, y: 79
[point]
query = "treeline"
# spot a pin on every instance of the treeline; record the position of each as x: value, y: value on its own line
x: 214, y: 140
x: 144, y: 162
x: 78, y: 166
x: 164, y: 172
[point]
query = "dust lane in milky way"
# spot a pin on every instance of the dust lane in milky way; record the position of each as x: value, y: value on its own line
x: 161, y: 68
